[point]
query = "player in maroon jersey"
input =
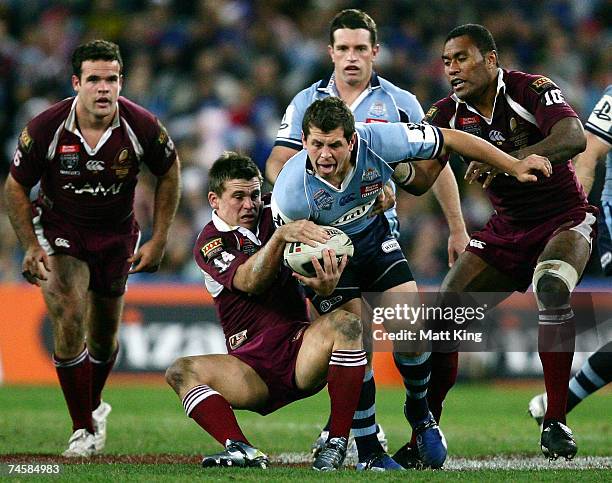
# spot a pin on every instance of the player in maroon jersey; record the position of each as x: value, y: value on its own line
x: 79, y: 235
x: 540, y: 233
x: 275, y: 356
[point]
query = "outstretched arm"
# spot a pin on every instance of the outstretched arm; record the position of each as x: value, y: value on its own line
x: 275, y: 162
x: 35, y: 260
x: 586, y: 161
x: 167, y: 192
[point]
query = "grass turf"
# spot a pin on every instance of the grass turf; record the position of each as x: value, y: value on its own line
x: 480, y: 421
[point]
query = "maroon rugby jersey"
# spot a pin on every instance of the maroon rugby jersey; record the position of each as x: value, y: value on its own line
x: 219, y: 250
x: 526, y: 108
x: 90, y: 186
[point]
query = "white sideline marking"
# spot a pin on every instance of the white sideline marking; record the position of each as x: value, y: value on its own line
x: 488, y: 463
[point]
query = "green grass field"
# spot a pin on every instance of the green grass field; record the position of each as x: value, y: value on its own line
x: 482, y: 423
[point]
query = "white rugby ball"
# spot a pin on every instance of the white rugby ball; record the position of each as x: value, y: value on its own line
x: 298, y: 255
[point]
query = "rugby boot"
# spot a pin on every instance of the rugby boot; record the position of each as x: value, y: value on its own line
x: 81, y: 444
x: 331, y: 457
x: 351, y: 452
x: 558, y: 440
x: 99, y: 416
x: 237, y: 454
x: 431, y: 443
x: 408, y: 457
x: 379, y: 461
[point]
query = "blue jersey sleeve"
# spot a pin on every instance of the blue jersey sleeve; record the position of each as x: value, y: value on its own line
x: 395, y: 142
x: 289, y: 199
x: 290, y: 131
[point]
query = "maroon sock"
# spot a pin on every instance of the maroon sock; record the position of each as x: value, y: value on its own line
x: 99, y: 373
x: 556, y: 348
x: 75, y: 379
x: 213, y: 413
x: 344, y: 380
x: 444, y: 367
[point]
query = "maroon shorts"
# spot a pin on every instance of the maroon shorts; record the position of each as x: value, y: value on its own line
x: 273, y: 355
x: 514, y: 249
x: 104, y: 250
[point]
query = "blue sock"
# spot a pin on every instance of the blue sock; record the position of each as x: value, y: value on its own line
x: 416, y: 372
x: 364, y: 421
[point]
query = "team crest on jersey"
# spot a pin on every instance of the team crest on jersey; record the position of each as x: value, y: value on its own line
x: 323, y: 199
x: 370, y: 189
x: 25, y: 140
x: 541, y: 84
x: 69, y: 160
x: 247, y: 246
x: 237, y: 340
x: 212, y: 248
x: 378, y: 109
x: 370, y: 174
x: 122, y: 163
x: 431, y: 114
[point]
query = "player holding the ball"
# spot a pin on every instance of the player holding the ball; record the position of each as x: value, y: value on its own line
x: 275, y: 355
x: 335, y: 181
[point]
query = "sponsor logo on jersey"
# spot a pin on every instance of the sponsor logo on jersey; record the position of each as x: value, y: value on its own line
x: 378, y: 109
x: 69, y: 148
x: 371, y: 120
x: 431, y: 114
x: 25, y: 140
x: 390, y: 245
x: 247, y: 246
x: 323, y: 199
x: 94, y: 190
x: 211, y: 248
x: 122, y: 163
x: 61, y: 242
x: 327, y: 304
x: 477, y: 244
x: 465, y: 121
x: 496, y: 136
x: 347, y: 199
x: 354, y: 213
x: 370, y: 189
x: 370, y: 174
x: 237, y: 340
x: 606, y: 258
x: 541, y: 84
x: 95, y: 165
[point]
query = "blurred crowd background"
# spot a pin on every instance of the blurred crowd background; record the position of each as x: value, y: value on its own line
x: 219, y: 74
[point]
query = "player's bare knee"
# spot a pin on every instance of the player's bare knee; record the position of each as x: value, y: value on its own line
x: 347, y: 325
x: 179, y: 372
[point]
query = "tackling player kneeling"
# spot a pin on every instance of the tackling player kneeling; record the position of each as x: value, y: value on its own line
x: 275, y: 356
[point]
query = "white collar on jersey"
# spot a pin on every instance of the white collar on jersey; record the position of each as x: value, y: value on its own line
x: 332, y: 90
x: 501, y: 85
x: 222, y: 226
x: 71, y: 125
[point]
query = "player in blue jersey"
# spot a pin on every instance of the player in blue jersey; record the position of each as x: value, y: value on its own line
x: 335, y: 181
x: 596, y: 372
x: 353, y: 48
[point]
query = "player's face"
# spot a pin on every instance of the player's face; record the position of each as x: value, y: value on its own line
x: 353, y: 56
x: 98, y: 88
x: 467, y: 70
x: 329, y: 153
x: 240, y: 203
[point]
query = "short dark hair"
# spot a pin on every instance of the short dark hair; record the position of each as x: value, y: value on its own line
x: 479, y: 35
x: 95, y: 50
x: 328, y: 114
x: 351, y: 18
x: 228, y: 166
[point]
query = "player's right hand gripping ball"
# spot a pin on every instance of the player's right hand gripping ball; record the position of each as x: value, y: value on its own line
x: 298, y: 255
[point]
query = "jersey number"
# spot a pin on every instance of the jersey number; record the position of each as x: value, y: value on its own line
x: 553, y: 97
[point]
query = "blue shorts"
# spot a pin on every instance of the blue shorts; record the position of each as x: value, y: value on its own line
x: 377, y: 265
x: 604, y: 241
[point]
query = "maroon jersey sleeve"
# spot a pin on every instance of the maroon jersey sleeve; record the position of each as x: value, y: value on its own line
x: 159, y: 150
x: 541, y: 97
x: 219, y: 255
x: 30, y: 159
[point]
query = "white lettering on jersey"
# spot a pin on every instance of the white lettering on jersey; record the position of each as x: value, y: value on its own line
x: 390, y: 245
x: 94, y: 191
x: 553, y: 96
x: 223, y: 261
x: 17, y: 158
